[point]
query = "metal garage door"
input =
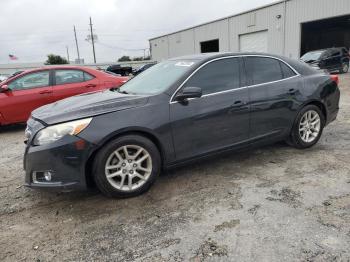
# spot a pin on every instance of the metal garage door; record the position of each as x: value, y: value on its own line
x: 254, y: 42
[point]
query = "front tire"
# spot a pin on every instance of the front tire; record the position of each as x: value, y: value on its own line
x: 308, y: 127
x: 126, y: 166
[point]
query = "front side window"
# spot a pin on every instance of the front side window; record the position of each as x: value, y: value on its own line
x: 263, y: 69
x: 32, y: 80
x: 71, y: 76
x: 217, y: 76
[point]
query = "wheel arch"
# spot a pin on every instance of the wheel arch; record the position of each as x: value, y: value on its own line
x: 136, y: 131
x: 320, y: 105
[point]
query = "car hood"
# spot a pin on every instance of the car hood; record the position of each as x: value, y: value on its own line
x: 87, y: 105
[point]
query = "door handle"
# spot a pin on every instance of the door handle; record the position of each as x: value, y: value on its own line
x: 292, y: 91
x: 90, y: 85
x: 45, y: 92
x: 239, y: 103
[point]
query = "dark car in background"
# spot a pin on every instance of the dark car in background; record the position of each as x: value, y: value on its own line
x: 331, y: 59
x: 120, y: 70
x: 181, y: 110
x: 142, y: 68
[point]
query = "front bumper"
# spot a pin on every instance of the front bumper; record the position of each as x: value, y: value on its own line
x: 64, y: 159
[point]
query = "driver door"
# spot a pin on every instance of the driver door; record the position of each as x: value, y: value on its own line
x: 217, y: 120
x: 25, y: 94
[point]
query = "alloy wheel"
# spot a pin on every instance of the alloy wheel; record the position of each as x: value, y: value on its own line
x: 129, y: 167
x: 345, y: 68
x: 310, y: 126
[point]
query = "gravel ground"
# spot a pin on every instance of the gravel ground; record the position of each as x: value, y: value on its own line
x: 271, y: 204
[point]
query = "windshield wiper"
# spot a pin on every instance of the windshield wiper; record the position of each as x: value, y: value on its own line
x: 120, y: 91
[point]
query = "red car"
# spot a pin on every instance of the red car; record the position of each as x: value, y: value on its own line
x: 21, y: 94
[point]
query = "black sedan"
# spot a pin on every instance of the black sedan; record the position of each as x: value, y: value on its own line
x: 176, y: 112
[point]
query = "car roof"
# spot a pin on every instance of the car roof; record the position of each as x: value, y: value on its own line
x: 297, y: 65
x: 56, y: 67
x: 210, y: 56
x: 326, y: 49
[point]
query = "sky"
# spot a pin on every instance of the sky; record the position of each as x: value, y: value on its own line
x: 31, y: 29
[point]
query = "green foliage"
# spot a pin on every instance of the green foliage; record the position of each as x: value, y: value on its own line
x: 124, y: 59
x: 55, y: 60
x: 137, y: 58
x: 141, y: 58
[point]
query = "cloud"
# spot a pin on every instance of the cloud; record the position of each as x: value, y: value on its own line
x: 31, y: 29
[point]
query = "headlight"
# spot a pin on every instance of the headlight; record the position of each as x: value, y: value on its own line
x: 53, y: 133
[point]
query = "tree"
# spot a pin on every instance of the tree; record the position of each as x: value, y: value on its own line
x: 124, y: 59
x: 141, y: 58
x: 55, y: 60
x: 137, y: 58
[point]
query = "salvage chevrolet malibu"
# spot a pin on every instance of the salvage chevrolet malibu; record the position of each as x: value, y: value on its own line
x: 175, y: 112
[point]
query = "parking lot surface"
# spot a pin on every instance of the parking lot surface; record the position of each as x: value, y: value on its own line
x: 270, y: 204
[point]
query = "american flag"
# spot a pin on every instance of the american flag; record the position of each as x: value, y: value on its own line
x: 13, y: 57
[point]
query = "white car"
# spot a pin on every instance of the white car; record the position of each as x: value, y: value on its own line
x: 3, y: 77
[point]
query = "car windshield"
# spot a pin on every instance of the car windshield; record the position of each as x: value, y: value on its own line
x: 312, y: 56
x: 158, y: 78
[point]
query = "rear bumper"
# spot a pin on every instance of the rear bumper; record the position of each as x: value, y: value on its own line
x: 332, y: 117
x: 65, y: 160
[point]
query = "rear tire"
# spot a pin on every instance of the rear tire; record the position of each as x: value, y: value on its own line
x: 345, y: 68
x: 126, y: 166
x: 308, y: 127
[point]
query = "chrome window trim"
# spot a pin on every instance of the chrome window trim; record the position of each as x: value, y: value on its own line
x: 297, y: 74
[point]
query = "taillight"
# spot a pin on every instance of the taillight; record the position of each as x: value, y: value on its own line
x: 335, y: 78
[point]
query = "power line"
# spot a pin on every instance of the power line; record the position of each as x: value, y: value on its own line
x: 120, y: 48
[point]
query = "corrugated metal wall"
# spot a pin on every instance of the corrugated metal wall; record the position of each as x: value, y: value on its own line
x: 215, y: 30
x: 228, y: 30
x: 301, y: 11
x: 260, y: 20
x: 181, y: 43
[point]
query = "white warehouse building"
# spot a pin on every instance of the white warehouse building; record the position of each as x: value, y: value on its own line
x: 290, y: 28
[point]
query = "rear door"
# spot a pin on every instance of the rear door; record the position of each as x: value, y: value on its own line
x: 326, y: 60
x: 219, y: 119
x: 336, y: 58
x: 273, y: 88
x: 70, y: 82
x: 25, y: 94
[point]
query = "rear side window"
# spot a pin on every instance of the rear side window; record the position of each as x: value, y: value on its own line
x: 286, y: 70
x: 66, y: 76
x: 345, y: 51
x: 217, y: 76
x: 335, y: 52
x: 263, y: 69
x: 88, y: 77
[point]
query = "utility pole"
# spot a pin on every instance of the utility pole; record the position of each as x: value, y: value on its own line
x: 76, y: 43
x: 92, y: 40
x: 67, y: 54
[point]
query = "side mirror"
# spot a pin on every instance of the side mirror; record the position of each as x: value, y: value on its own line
x: 189, y: 92
x: 4, y: 88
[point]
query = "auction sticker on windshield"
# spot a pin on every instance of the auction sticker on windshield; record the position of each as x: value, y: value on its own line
x: 184, y: 63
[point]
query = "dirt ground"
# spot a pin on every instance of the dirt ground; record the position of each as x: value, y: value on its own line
x: 271, y: 204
